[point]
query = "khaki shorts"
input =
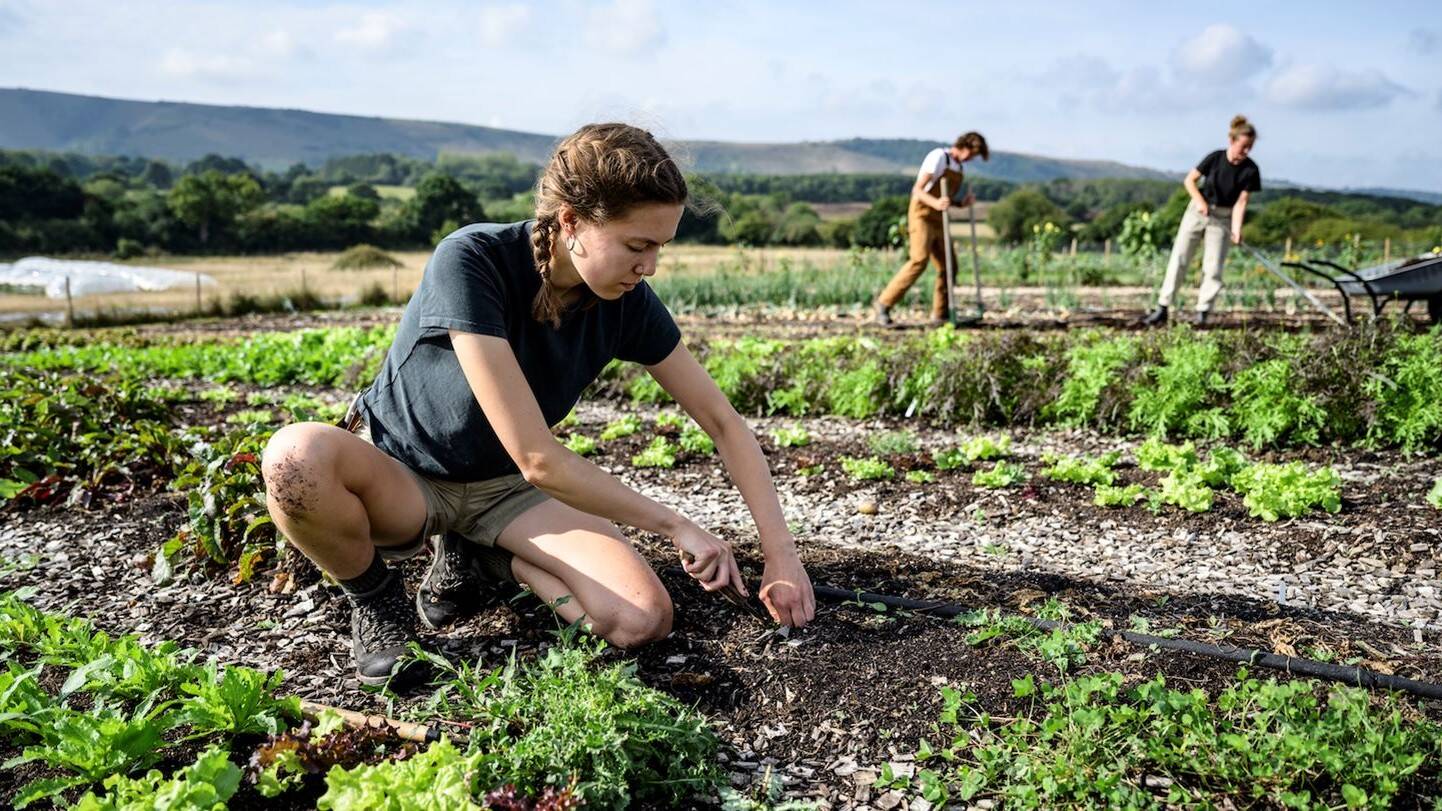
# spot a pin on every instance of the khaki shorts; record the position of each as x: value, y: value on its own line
x: 478, y: 511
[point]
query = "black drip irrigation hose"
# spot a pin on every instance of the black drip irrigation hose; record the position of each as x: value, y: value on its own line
x: 1355, y: 676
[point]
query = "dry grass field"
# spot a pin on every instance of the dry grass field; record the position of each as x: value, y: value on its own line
x: 279, y: 274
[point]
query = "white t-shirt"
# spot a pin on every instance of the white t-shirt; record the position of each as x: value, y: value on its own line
x: 937, y: 161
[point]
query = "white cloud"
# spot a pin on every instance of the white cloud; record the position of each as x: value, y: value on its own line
x: 186, y: 64
x: 1142, y: 90
x: 625, y: 26
x: 1322, y: 87
x: 1084, y: 80
x: 1221, y: 53
x: 279, y: 43
x: 374, y: 31
x: 500, y: 25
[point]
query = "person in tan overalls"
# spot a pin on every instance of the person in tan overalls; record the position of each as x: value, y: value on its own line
x: 924, y: 224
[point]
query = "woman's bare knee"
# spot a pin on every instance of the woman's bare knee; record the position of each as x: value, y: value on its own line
x: 639, y: 625
x: 294, y: 465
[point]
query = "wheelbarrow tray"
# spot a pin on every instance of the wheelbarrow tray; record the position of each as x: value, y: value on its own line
x: 1417, y: 278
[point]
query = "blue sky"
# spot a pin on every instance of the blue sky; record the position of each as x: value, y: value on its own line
x: 1344, y: 94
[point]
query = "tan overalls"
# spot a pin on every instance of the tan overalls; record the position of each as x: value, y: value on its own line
x: 924, y: 233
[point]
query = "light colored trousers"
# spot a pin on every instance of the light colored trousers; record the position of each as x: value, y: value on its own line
x: 1214, y: 231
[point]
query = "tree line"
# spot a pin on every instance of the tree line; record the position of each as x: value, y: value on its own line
x: 67, y: 203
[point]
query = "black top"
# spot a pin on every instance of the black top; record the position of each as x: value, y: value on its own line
x: 1224, y: 183
x: 482, y: 279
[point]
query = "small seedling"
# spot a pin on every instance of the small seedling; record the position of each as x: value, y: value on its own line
x: 694, y: 440
x: 986, y: 448
x: 1106, y: 495
x: 892, y: 443
x: 580, y: 444
x: 949, y: 459
x: 619, y: 428
x: 660, y: 453
x: 868, y: 469
x: 791, y: 437
x: 1002, y: 474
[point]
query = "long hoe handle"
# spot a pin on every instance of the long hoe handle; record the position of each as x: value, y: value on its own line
x: 950, y: 259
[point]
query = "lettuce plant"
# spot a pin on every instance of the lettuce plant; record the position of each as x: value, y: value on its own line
x: 694, y: 440
x: 204, y: 785
x: 867, y: 469
x: 1081, y: 469
x: 1288, y: 490
x: 622, y: 427
x: 236, y: 700
x: 1002, y: 474
x: 1105, y: 495
x: 660, y: 453
x: 791, y: 437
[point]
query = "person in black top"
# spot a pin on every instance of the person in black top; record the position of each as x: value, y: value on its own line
x: 1214, y: 218
x: 452, y: 441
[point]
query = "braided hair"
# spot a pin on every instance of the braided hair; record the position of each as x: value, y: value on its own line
x: 601, y: 171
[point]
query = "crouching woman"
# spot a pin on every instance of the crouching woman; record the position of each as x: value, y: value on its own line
x: 450, y: 447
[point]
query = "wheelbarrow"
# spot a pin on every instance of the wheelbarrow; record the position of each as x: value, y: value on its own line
x: 1414, y: 279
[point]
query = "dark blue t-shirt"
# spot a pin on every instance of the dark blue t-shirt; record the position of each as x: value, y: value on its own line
x: 482, y: 279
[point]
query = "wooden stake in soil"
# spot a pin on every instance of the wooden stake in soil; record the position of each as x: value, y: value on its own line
x: 396, y: 284
x: 1073, y: 246
x: 1107, y: 250
x: 197, y: 292
x: 1386, y: 249
x: 405, y: 730
x: 69, y: 305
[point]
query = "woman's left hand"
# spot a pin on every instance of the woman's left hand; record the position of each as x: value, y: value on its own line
x: 1236, y: 238
x: 786, y: 591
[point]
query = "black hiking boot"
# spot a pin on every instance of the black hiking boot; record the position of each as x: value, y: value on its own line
x: 1203, y: 317
x: 882, y: 318
x: 1156, y: 318
x: 382, y: 626
x: 464, y: 578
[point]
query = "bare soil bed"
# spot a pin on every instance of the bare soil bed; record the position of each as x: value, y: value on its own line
x: 823, y: 709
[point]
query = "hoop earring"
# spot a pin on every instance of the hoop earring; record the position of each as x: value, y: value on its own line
x: 571, y: 244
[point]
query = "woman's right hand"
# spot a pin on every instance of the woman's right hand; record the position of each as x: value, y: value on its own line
x: 707, y: 559
x: 1203, y: 208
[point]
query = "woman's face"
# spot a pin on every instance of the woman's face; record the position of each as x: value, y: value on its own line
x: 614, y: 257
x: 1239, y: 148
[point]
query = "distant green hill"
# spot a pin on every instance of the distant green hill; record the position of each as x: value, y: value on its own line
x: 275, y: 139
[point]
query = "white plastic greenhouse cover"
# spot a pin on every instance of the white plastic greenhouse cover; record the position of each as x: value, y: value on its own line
x: 89, y: 278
